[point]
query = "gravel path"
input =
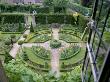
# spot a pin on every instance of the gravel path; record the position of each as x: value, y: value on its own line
x: 16, y: 47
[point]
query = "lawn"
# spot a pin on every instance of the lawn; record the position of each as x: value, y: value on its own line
x: 34, y: 58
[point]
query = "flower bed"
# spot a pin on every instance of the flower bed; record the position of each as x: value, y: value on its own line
x: 41, y: 52
x: 69, y: 52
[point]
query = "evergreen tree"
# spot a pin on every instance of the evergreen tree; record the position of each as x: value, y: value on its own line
x: 31, y: 28
x: 20, y: 27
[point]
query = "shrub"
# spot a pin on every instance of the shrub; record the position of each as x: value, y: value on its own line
x: 31, y: 28
x: 25, y: 36
x: 13, y: 18
x: 7, y: 27
x: 25, y: 57
x: 55, y: 44
x: 20, y: 42
x: 8, y: 42
x: 13, y: 36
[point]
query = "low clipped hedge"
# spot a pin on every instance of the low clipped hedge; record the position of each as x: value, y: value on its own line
x: 34, y: 65
x: 40, y: 36
x: 55, y: 44
x: 69, y: 52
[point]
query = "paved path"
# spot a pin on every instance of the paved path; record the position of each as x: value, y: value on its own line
x: 16, y: 47
x: 54, y: 52
x: 55, y: 33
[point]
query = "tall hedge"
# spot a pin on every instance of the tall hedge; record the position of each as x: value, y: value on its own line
x: 12, y: 18
x: 54, y: 18
x: 0, y: 18
x: 23, y: 8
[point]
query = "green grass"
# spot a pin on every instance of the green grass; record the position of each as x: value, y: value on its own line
x: 33, y: 57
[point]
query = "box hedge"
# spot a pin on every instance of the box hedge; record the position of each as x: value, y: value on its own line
x: 55, y: 18
x: 12, y: 18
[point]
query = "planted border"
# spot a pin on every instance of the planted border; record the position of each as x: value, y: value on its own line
x: 67, y: 51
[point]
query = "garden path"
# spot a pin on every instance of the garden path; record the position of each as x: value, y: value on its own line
x: 16, y: 47
x: 55, y: 52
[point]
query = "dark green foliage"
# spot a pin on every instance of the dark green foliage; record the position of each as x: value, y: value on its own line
x: 23, y: 8
x: 42, y: 10
x: 31, y: 28
x: 80, y: 9
x: 0, y: 19
x: 82, y: 22
x: 62, y: 65
x: 25, y: 57
x: 7, y: 57
x: 40, y: 18
x: 59, y: 10
x: 55, y: 18
x: 13, y: 18
x: 87, y: 3
x: 25, y: 36
x: 20, y: 42
x: 14, y: 27
x: 46, y: 65
x: 55, y: 44
x: 13, y: 36
x: 48, y: 3
x: 20, y: 27
x: 8, y: 42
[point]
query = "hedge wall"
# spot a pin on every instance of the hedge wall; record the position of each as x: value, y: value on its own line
x: 23, y: 8
x: 0, y: 18
x: 12, y: 18
x: 41, y: 9
x: 59, y: 10
x: 54, y: 18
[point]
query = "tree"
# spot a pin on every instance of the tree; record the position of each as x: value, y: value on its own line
x: 48, y: 3
x: 60, y: 3
x: 87, y: 3
x: 31, y: 28
x: 20, y: 27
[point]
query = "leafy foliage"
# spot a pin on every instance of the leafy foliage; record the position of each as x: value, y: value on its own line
x: 41, y: 52
x: 55, y: 44
x: 17, y: 27
x: 69, y: 52
x: 31, y: 28
x: 19, y: 72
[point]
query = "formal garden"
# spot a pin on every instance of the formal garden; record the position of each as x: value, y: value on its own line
x: 47, y: 46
